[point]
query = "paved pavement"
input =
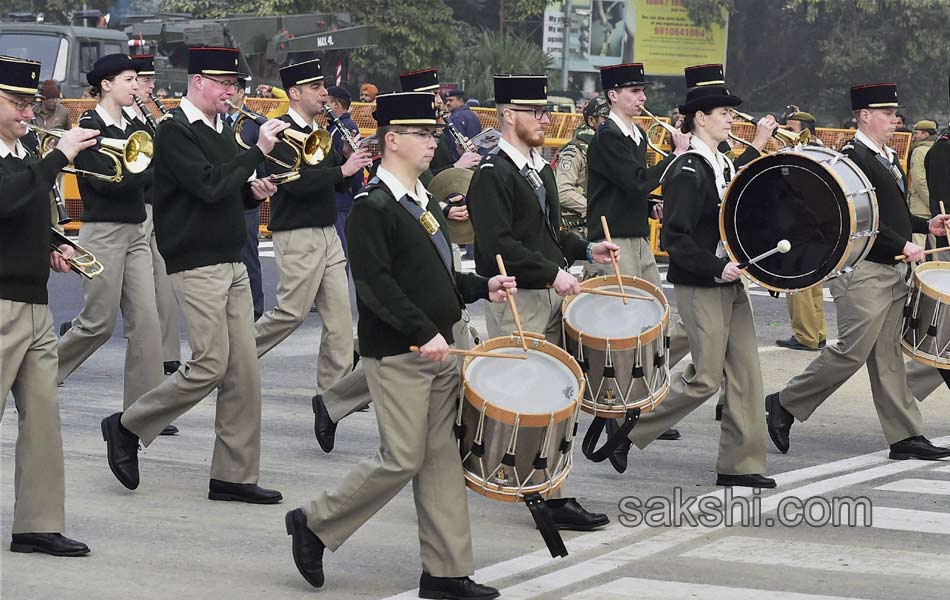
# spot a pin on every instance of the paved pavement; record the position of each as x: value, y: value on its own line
x: 167, y: 540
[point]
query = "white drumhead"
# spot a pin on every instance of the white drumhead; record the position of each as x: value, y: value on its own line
x: 938, y: 279
x: 541, y: 384
x: 609, y: 317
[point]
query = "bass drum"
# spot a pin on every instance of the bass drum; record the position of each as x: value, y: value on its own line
x: 815, y: 198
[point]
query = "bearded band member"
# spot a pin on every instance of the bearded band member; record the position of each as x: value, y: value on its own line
x: 399, y: 261
x: 515, y: 212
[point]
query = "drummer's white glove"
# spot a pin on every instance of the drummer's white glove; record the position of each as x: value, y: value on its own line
x: 499, y: 287
x: 566, y: 284
x: 436, y: 349
x: 601, y: 252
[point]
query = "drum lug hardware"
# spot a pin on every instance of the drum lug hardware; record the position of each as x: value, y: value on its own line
x: 860, y: 192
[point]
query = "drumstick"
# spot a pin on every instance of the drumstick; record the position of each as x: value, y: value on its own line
x: 456, y: 352
x: 511, y: 303
x: 613, y: 258
x: 926, y: 252
x: 782, y: 247
x: 614, y: 294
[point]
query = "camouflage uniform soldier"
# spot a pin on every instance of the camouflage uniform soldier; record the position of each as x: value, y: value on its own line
x: 571, y: 172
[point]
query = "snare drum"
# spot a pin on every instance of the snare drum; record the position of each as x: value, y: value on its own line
x: 515, y: 422
x: 925, y: 332
x: 622, y: 348
x: 815, y: 198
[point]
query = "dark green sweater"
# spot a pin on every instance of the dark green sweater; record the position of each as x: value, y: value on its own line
x: 105, y: 201
x: 201, y: 192
x: 619, y: 183
x: 25, y: 220
x: 404, y: 293
x: 507, y: 220
x: 311, y: 200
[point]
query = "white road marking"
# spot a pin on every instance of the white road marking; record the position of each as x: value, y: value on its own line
x: 901, y: 519
x: 630, y: 588
x: 918, y: 486
x: 942, y: 469
x: 825, y: 557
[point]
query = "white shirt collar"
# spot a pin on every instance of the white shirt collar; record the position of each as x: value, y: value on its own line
x: 131, y: 115
x: 18, y: 151
x: 109, y: 121
x: 299, y: 120
x: 419, y: 195
x: 537, y: 161
x: 716, y: 159
x: 632, y: 134
x: 886, y: 152
x: 194, y: 115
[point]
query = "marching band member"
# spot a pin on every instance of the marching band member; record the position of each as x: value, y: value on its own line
x: 870, y: 299
x: 27, y: 341
x: 516, y: 213
x: 114, y: 231
x: 400, y: 256
x: 713, y: 303
x: 201, y: 190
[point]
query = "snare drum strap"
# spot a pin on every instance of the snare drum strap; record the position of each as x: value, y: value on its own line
x: 615, y: 435
x: 542, y: 519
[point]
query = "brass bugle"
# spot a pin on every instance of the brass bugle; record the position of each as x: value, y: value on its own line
x: 657, y: 123
x: 310, y: 148
x: 82, y: 262
x: 132, y: 154
x: 786, y: 137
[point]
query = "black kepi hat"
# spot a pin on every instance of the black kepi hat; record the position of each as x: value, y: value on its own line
x: 405, y: 108
x: 108, y: 66
x: 144, y: 64
x: 703, y: 75
x: 426, y: 80
x: 301, y: 73
x: 215, y: 61
x: 19, y: 76
x: 874, y: 95
x: 624, y: 75
x: 706, y: 89
x: 521, y: 89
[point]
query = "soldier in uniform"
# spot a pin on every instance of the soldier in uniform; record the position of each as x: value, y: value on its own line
x: 27, y: 341
x: 516, y: 214
x: 310, y: 262
x: 571, y: 172
x: 400, y: 255
x: 715, y: 307
x: 201, y: 190
x: 870, y: 299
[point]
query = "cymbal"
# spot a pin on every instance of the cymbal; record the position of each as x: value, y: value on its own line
x: 448, y: 183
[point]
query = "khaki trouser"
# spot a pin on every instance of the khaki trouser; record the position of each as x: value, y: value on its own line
x: 869, y: 301
x: 807, y: 312
x: 216, y: 303
x: 721, y: 333
x: 415, y: 402
x: 922, y: 379
x: 351, y: 393
x: 311, y: 271
x: 540, y: 312
x: 164, y: 296
x: 28, y: 369
x: 127, y: 284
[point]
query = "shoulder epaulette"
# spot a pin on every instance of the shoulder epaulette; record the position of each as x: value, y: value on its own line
x: 689, y: 165
x: 371, y: 185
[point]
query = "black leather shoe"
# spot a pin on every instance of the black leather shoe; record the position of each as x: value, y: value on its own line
x: 753, y: 481
x: 307, y: 547
x: 792, y: 343
x: 918, y: 448
x: 779, y: 422
x: 454, y: 588
x: 719, y: 408
x: 169, y: 430
x: 242, y: 492
x: 56, y: 544
x: 323, y: 426
x: 122, y: 448
x: 567, y: 513
x: 670, y: 434
x: 170, y: 366
x: 64, y: 327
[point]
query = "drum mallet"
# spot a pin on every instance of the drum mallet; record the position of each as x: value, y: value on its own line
x: 613, y: 257
x: 780, y: 248
x: 511, y: 303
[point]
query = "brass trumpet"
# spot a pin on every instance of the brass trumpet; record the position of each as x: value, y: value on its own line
x: 82, y: 262
x: 785, y: 137
x: 657, y: 123
x: 310, y: 148
x: 133, y: 154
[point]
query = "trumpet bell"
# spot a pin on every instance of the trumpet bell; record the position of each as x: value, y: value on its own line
x: 314, y: 147
x: 136, y: 151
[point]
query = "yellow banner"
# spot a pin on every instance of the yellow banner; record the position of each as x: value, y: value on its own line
x: 666, y: 40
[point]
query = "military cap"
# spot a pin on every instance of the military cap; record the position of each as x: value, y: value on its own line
x: 338, y: 91
x: 624, y: 75
x: 144, y: 63
x: 706, y: 89
x: 875, y: 95
x: 301, y: 73
x: 521, y: 89
x: 405, y: 108
x: 109, y: 66
x: 926, y: 125
x: 215, y: 61
x: 802, y: 116
x: 19, y: 75
x: 426, y: 80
